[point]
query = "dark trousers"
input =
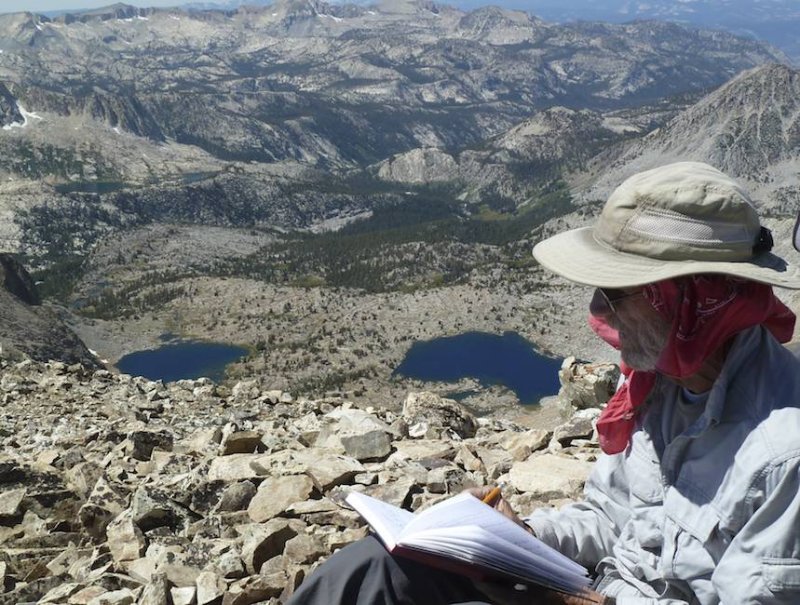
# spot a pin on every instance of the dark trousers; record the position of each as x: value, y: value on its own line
x: 364, y: 573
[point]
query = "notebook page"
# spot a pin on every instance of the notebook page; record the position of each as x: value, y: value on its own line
x: 465, y: 510
x: 470, y: 544
x: 479, y: 546
x: 385, y: 519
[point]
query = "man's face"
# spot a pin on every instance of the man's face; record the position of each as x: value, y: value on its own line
x: 643, y: 332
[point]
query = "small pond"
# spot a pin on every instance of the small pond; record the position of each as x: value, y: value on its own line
x: 509, y: 360
x: 182, y: 360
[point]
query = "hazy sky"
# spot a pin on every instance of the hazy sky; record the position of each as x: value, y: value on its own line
x: 13, y: 6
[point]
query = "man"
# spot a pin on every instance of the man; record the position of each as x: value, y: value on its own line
x: 697, y: 497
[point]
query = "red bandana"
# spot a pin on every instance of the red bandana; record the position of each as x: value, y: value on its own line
x: 705, y: 311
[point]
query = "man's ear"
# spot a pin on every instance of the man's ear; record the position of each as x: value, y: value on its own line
x: 796, y: 234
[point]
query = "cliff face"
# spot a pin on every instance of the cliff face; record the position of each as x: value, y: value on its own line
x: 29, y: 329
x: 17, y: 281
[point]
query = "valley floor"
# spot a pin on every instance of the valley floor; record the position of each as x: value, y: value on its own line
x: 321, y: 340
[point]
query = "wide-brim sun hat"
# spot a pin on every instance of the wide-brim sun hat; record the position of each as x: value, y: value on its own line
x: 675, y: 220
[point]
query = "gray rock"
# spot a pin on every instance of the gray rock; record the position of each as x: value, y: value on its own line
x: 140, y: 444
x: 183, y: 595
x: 237, y: 467
x: 521, y: 445
x: 549, y: 476
x: 418, y: 449
x: 10, y: 502
x: 115, y: 597
x: 107, y: 500
x: 204, y: 440
x: 261, y: 542
x: 358, y: 434
x: 180, y: 575
x: 394, y: 492
x: 275, y: 495
x: 587, y: 385
x: 242, y: 442
x: 579, y: 426
x: 61, y: 593
x: 156, y: 591
x: 152, y: 507
x: 210, y: 588
x: 236, y: 497
x: 125, y: 540
x: 431, y: 416
x: 255, y: 589
x: 305, y: 549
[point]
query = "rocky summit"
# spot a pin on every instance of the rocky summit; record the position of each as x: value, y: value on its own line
x: 117, y: 490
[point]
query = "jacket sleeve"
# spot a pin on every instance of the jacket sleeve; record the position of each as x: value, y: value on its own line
x: 762, y: 563
x: 586, y: 531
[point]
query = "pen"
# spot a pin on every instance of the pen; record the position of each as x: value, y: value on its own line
x: 492, y: 496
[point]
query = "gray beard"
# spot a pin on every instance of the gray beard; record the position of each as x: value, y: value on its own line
x: 642, y: 346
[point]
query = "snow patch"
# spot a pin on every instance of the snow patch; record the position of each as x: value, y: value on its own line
x: 26, y: 116
x: 619, y: 125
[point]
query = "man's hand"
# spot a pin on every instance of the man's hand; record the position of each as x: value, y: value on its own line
x: 505, y: 593
x: 500, y: 504
x: 589, y: 597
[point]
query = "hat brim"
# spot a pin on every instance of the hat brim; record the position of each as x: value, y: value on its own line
x: 577, y: 256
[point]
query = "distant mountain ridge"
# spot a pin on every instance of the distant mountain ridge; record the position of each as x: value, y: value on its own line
x: 306, y: 113
x: 749, y: 128
x: 774, y: 21
x: 295, y: 80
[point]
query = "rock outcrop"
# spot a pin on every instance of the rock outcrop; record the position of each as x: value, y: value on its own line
x: 30, y: 330
x: 115, y: 489
x: 9, y: 109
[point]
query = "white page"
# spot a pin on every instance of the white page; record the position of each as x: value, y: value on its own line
x: 469, y: 543
x: 466, y: 529
x: 465, y: 509
x: 386, y: 519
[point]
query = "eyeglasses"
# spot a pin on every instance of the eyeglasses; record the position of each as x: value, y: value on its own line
x: 612, y: 296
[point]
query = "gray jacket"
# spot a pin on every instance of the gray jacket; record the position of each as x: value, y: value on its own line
x: 709, y: 515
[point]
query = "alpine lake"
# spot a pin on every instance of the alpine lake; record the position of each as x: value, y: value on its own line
x: 182, y: 360
x: 508, y: 360
x: 491, y: 359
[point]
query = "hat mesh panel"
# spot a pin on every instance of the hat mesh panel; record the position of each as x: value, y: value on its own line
x: 674, y: 227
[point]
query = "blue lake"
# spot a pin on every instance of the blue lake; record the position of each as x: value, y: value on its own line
x: 509, y: 360
x: 182, y: 360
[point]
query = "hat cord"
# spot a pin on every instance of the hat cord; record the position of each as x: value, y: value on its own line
x: 764, y: 242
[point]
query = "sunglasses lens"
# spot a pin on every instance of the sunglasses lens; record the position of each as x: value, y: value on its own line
x: 612, y: 296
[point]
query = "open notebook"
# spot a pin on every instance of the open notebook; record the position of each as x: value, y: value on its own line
x: 466, y: 536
